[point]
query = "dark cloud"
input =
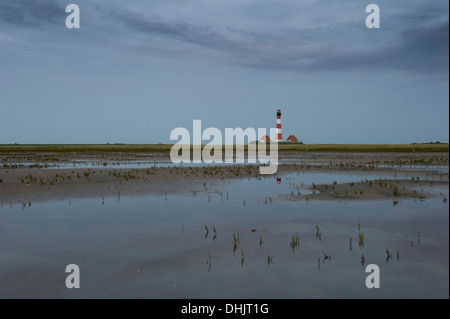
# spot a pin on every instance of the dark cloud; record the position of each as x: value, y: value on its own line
x: 31, y: 12
x: 203, y: 36
x: 423, y: 14
x: 423, y: 49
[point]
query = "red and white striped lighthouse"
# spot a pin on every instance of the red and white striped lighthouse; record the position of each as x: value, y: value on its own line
x: 278, y: 138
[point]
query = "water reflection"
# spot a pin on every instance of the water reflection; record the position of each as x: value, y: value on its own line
x: 389, y: 255
x: 325, y: 257
x: 269, y: 259
x: 111, y: 239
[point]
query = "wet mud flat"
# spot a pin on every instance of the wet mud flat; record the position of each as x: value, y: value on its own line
x: 209, y: 232
x: 30, y: 177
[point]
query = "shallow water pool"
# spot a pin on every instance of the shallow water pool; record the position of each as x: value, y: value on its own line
x: 228, y: 241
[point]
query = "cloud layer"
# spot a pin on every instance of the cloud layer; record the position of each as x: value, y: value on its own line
x: 415, y: 39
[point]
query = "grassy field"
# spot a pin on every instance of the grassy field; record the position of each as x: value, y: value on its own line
x: 165, y: 148
x: 439, y: 147
x: 127, y: 148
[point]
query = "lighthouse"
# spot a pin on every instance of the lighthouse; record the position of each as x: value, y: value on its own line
x: 278, y: 138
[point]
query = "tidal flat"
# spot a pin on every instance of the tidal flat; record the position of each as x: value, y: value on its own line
x: 139, y: 226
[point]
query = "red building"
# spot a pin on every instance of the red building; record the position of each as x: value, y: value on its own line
x: 292, y: 139
x: 265, y: 139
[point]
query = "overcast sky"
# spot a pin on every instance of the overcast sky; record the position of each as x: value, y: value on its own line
x: 135, y: 70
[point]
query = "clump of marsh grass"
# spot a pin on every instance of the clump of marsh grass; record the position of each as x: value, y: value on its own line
x: 395, y: 191
x: 389, y: 255
x: 295, y: 242
x: 269, y: 259
x: 361, y: 240
x: 325, y: 257
x: 207, y: 231
x: 318, y: 233
x: 235, y: 241
x: 208, y: 262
